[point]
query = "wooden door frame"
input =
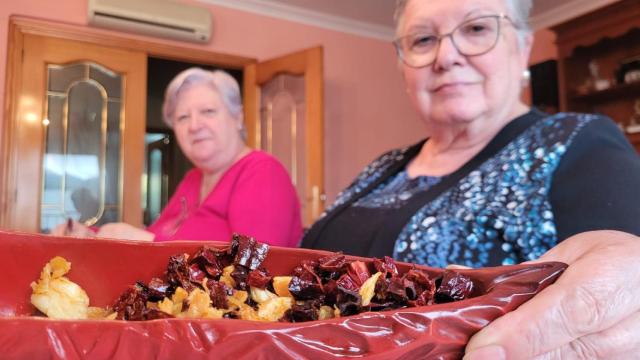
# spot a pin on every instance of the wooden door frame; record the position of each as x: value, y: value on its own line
x: 19, y: 26
x: 307, y: 63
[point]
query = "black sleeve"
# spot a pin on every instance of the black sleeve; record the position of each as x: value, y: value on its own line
x: 597, y: 183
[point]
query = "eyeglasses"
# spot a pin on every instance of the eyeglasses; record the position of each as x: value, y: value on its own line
x: 471, y: 38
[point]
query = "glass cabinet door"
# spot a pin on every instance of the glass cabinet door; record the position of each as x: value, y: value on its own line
x: 82, y: 145
x: 76, y: 145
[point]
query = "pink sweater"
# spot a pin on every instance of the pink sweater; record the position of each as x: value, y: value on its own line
x: 253, y: 197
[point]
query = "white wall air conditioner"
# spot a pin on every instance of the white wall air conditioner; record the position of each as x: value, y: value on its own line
x: 162, y: 18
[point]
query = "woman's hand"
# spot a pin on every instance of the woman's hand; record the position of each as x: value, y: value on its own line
x: 124, y: 231
x: 72, y: 228
x: 591, y: 312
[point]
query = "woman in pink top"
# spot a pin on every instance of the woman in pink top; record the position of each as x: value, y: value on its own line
x: 232, y: 188
x: 254, y: 197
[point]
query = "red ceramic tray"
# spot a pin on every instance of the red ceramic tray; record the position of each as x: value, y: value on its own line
x: 104, y: 268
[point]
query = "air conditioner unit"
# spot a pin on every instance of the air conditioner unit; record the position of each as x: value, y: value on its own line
x: 161, y: 18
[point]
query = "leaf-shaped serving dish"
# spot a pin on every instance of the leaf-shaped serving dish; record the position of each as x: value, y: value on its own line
x: 104, y: 268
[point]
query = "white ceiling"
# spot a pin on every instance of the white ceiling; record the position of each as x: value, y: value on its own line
x: 374, y: 18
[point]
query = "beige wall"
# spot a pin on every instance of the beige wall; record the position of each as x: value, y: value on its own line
x: 544, y: 46
x: 366, y: 111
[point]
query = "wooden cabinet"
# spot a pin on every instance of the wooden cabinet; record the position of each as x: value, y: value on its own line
x: 599, y: 42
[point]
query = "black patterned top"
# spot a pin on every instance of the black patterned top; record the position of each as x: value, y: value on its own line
x: 540, y: 180
x: 395, y: 191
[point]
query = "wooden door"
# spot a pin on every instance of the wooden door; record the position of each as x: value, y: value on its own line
x: 284, y: 116
x: 79, y: 108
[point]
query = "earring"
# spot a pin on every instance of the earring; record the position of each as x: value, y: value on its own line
x: 526, y: 78
x: 242, y: 130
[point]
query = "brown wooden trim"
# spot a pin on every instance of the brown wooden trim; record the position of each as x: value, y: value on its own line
x: 108, y: 38
x: 314, y: 94
x: 296, y: 65
x: 27, y: 135
x: 251, y: 105
x: 609, y: 22
x: 12, y: 88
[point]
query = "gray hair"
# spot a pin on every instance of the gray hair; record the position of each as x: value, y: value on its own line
x: 518, y: 13
x: 217, y: 80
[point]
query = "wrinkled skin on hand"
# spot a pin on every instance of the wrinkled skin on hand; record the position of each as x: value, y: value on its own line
x: 121, y: 231
x: 74, y: 229
x: 124, y: 231
x: 591, y: 312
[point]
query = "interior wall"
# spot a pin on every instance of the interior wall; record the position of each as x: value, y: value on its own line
x: 366, y: 110
x: 364, y: 96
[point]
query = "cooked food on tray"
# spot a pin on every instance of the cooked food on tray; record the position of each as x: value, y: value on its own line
x: 231, y: 283
x: 55, y: 295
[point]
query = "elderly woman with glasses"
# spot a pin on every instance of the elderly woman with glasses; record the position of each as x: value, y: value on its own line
x: 231, y: 189
x: 497, y: 182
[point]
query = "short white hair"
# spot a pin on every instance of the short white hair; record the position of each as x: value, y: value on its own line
x: 518, y: 12
x: 217, y: 80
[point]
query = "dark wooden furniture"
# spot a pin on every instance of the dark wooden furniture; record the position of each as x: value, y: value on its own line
x: 608, y: 37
